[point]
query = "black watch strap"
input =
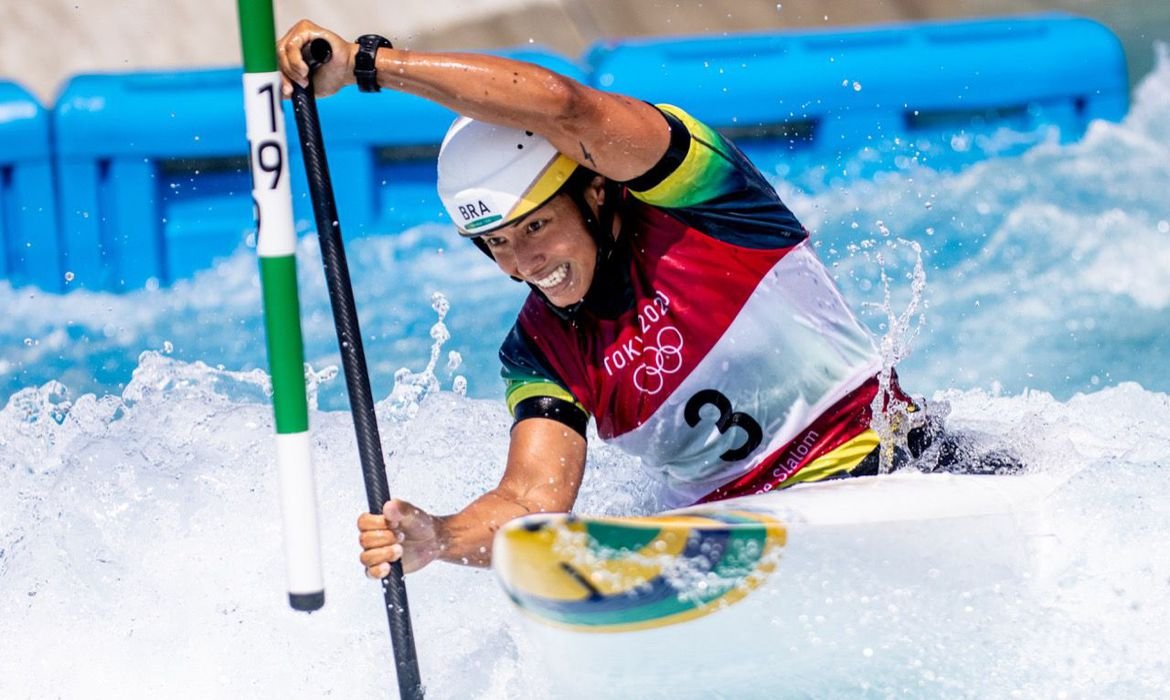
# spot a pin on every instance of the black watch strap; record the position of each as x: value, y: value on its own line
x: 364, y: 68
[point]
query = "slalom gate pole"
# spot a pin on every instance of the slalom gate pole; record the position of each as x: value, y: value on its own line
x: 276, y: 245
x: 353, y: 358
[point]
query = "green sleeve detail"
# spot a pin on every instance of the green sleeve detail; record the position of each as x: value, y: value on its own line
x: 706, y: 172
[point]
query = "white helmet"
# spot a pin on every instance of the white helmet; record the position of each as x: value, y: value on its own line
x: 490, y: 175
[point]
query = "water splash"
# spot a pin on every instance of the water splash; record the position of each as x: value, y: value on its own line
x: 314, y: 380
x: 1046, y: 268
x: 411, y: 388
x: 892, y: 417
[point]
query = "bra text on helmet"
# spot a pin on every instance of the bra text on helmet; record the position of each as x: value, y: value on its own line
x: 474, y: 210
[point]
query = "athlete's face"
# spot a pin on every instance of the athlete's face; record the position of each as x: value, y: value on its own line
x: 550, y: 248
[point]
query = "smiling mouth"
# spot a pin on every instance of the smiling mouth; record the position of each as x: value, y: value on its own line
x: 553, y: 278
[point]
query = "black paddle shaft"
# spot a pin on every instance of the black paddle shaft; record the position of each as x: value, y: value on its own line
x: 353, y: 359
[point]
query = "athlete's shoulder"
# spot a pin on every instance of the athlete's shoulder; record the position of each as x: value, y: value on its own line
x: 707, y: 182
x: 527, y: 373
x: 698, y: 165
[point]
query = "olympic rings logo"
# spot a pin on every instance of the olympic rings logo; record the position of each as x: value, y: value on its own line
x: 662, y: 358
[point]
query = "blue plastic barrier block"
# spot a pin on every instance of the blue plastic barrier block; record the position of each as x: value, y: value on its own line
x: 153, y: 175
x: 838, y: 91
x: 30, y: 252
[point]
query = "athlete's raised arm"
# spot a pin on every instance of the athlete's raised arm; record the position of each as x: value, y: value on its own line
x: 614, y: 135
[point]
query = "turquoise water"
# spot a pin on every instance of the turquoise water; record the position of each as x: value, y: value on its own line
x: 139, y: 552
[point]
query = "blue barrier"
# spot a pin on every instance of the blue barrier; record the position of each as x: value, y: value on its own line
x: 30, y: 252
x: 153, y: 175
x: 155, y: 183
x: 837, y: 91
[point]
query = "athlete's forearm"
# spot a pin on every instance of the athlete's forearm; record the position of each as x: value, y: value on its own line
x: 466, y: 536
x: 546, y: 463
x: 488, y: 88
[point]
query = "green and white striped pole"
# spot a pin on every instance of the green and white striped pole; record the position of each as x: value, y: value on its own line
x: 276, y: 244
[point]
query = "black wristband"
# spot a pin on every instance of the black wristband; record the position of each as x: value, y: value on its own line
x: 365, y: 70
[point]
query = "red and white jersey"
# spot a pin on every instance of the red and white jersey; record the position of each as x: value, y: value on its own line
x: 732, y: 364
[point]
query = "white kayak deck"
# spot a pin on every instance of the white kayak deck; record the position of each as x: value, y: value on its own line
x: 894, y: 566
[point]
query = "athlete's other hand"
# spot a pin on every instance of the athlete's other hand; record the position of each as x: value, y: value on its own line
x: 400, y: 531
x: 329, y: 78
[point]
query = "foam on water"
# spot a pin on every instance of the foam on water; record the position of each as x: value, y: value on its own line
x: 142, y: 552
x: 140, y: 548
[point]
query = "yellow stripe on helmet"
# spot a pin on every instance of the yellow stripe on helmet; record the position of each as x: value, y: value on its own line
x: 550, y: 180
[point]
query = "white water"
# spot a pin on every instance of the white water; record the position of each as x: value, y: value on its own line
x: 140, y: 548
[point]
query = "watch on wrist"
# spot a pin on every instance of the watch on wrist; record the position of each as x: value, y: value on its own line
x: 364, y: 68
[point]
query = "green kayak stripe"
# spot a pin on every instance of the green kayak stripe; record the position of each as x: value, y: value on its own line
x: 621, y: 535
x: 286, y: 352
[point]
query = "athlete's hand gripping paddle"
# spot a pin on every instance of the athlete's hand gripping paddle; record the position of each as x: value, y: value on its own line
x: 353, y: 358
